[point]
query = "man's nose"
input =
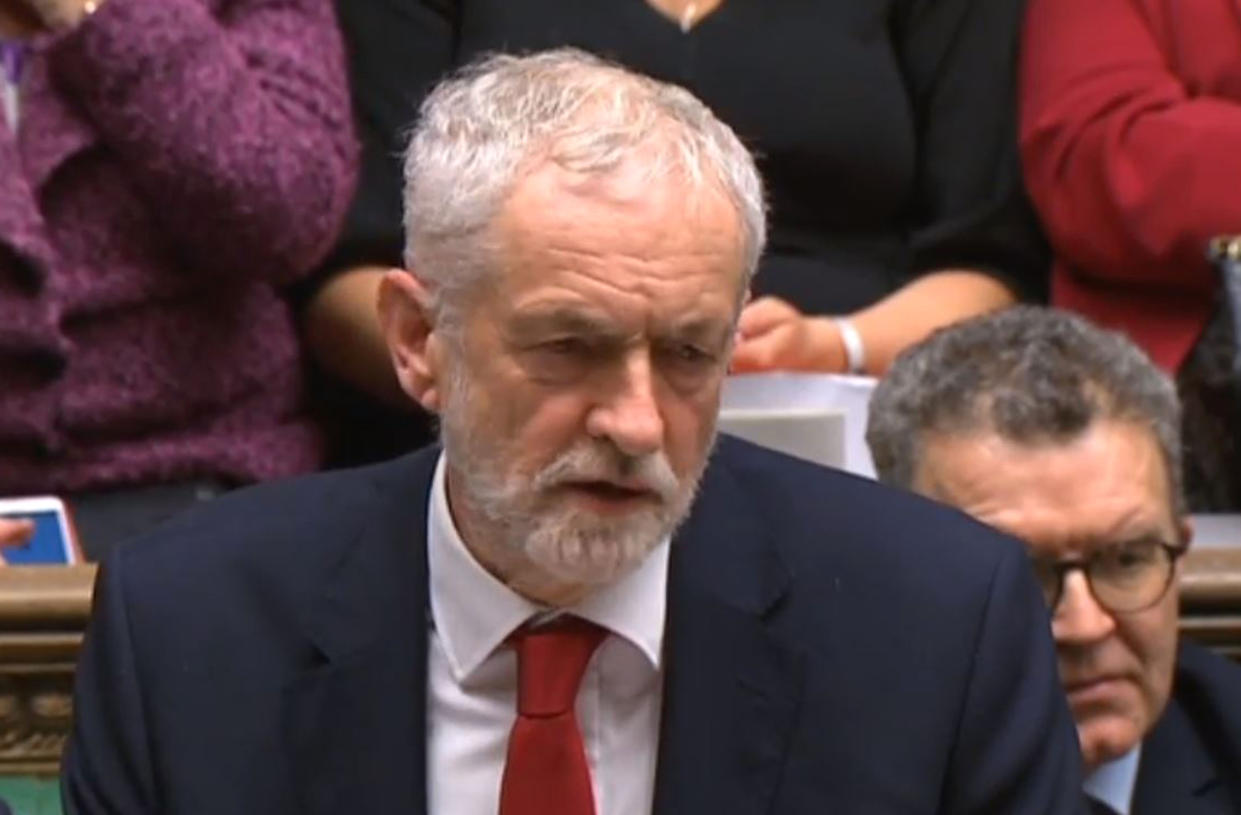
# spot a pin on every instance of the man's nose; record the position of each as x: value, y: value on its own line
x: 1079, y: 619
x: 628, y: 414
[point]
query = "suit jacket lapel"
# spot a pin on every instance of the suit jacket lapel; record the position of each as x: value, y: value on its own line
x: 1176, y: 774
x: 731, y: 691
x: 355, y: 725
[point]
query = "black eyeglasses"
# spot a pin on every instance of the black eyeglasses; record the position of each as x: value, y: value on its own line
x: 1124, y: 578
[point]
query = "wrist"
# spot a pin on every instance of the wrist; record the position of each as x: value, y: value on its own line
x: 829, y: 350
x: 853, y: 346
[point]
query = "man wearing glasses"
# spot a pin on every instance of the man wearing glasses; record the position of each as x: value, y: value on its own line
x: 1065, y: 436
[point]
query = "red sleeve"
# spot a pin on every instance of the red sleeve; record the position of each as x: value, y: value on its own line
x: 1131, y: 172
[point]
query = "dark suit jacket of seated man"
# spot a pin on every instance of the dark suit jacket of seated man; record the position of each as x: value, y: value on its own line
x: 1066, y: 435
x: 1191, y: 758
x: 776, y: 637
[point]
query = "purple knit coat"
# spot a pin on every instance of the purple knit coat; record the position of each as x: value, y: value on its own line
x: 177, y: 163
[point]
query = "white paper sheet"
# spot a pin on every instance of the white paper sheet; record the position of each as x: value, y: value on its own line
x: 789, y: 391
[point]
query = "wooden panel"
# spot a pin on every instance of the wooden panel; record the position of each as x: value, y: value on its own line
x: 1211, y: 578
x: 43, y: 612
x: 1211, y: 599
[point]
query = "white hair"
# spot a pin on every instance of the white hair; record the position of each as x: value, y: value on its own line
x: 499, y: 118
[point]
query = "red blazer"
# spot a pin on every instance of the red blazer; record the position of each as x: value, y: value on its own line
x: 1131, y: 142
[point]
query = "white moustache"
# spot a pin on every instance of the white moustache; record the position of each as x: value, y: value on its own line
x: 650, y: 473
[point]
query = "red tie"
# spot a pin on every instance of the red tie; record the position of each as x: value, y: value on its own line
x: 546, y: 770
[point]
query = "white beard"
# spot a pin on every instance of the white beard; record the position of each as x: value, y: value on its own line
x: 567, y: 543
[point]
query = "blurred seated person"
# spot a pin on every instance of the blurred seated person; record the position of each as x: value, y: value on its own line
x: 166, y: 168
x: 574, y: 606
x: 1130, y: 146
x: 1066, y: 436
x: 885, y: 133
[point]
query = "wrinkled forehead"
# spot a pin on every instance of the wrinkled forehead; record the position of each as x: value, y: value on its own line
x: 626, y: 214
x: 1106, y: 484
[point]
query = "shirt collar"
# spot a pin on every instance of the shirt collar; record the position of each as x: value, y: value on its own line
x: 1113, y: 782
x: 473, y: 612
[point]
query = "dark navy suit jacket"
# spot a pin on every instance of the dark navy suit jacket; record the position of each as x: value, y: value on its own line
x: 1191, y: 761
x: 833, y: 647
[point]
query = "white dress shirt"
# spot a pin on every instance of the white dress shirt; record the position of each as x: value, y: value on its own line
x: 472, y: 677
x: 1113, y: 782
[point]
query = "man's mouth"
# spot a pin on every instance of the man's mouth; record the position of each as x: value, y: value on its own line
x: 611, y: 492
x: 1098, y: 688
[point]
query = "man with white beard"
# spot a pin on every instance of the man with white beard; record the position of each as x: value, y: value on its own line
x: 575, y: 606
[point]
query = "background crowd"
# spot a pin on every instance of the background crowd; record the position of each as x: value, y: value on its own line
x: 175, y: 212
x: 199, y: 200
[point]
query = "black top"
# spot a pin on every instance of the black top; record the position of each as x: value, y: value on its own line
x: 884, y: 129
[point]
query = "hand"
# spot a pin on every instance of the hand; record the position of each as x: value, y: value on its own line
x: 774, y: 336
x: 14, y: 532
x: 48, y: 14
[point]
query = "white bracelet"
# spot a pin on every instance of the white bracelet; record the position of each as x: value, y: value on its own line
x: 855, y: 349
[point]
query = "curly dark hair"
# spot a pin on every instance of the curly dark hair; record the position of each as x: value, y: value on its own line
x: 1031, y: 375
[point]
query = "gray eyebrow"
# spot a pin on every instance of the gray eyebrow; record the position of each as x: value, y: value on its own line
x: 560, y: 318
x: 702, y: 327
x: 579, y: 321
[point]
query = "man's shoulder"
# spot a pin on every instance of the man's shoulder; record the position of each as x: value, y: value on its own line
x: 291, y: 524
x: 1209, y: 686
x: 824, y: 511
x: 886, y: 555
x: 1197, y: 740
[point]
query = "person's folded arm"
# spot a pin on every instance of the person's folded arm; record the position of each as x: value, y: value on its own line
x: 343, y: 332
x: 928, y: 302
x: 399, y: 48
x: 1131, y: 172
x: 235, y: 127
x: 773, y: 335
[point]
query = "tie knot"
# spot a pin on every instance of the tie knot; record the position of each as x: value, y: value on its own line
x: 551, y: 660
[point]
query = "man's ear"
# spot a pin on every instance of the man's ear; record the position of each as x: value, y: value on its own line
x: 409, y: 328
x: 1186, y: 529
